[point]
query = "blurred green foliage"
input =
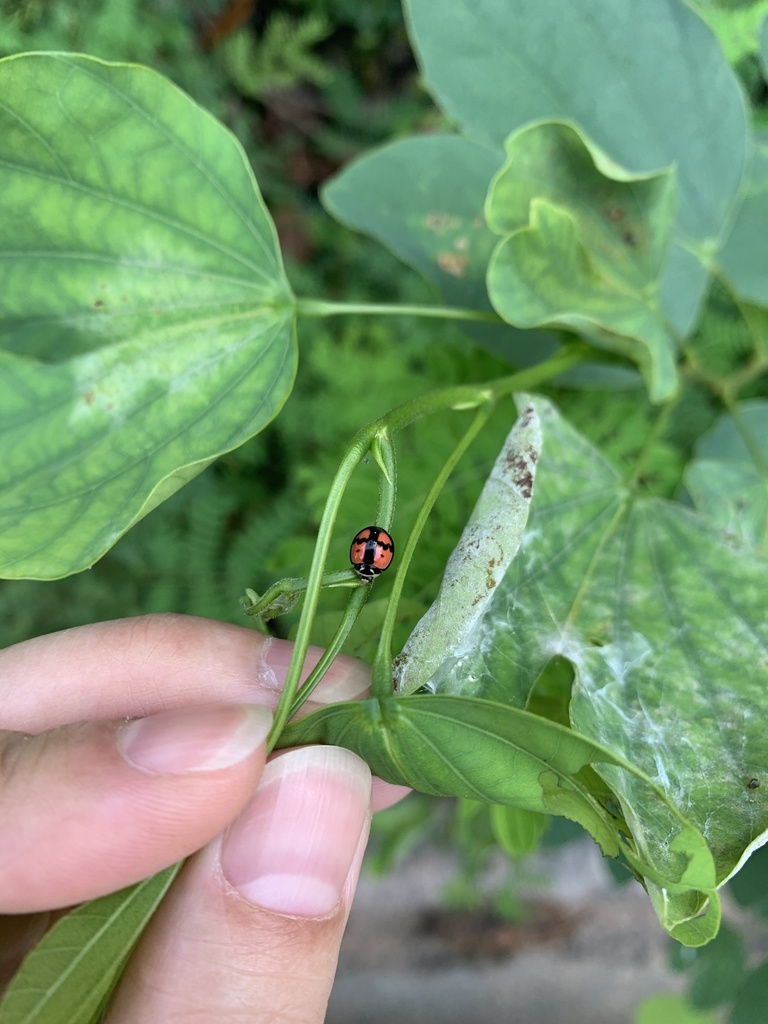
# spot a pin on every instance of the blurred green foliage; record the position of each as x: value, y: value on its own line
x: 337, y: 91
x: 305, y: 86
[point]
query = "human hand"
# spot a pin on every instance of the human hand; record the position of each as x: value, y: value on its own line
x: 132, y: 744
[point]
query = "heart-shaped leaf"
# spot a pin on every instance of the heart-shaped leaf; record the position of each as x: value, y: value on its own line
x: 423, y: 198
x: 612, y: 68
x: 146, y: 322
x: 664, y: 624
x: 744, y: 257
x: 583, y: 246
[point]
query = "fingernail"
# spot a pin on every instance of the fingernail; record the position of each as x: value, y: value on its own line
x: 291, y: 850
x: 200, y: 739
x: 345, y: 680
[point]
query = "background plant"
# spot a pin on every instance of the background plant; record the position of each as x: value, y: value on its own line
x: 698, y: 285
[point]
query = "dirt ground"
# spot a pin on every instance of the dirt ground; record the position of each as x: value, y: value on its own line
x: 588, y: 953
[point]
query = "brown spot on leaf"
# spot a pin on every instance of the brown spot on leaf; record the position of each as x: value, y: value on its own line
x: 522, y: 475
x: 453, y: 263
x: 440, y: 222
x: 98, y: 304
x: 526, y: 416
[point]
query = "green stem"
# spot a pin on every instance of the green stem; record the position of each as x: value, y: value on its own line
x: 468, y: 396
x: 319, y: 307
x: 381, y: 683
x: 355, y: 452
x: 353, y: 609
x: 657, y: 429
x: 292, y: 588
x: 742, y: 378
x: 383, y: 451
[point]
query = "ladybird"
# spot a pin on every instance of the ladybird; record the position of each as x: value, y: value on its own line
x: 371, y: 553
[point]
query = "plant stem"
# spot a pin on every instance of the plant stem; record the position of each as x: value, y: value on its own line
x: 353, y: 609
x: 468, y: 396
x: 319, y: 307
x: 261, y: 606
x: 657, y: 429
x: 358, y: 448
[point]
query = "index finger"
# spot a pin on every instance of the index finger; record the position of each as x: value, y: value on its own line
x: 141, y: 666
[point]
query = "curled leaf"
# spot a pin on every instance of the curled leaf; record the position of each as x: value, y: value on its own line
x: 482, y: 556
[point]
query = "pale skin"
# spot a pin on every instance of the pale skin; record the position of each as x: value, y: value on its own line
x: 129, y: 745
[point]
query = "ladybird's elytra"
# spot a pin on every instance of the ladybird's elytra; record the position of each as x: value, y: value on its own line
x: 371, y: 553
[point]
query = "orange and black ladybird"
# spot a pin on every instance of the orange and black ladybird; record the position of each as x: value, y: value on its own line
x: 371, y: 553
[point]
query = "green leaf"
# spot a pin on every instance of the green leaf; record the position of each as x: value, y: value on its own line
x: 518, y: 831
x: 613, y: 69
x: 737, y: 30
x: 744, y: 257
x: 671, y: 1010
x: 728, y: 476
x: 423, y: 199
x: 718, y: 970
x: 282, y: 57
x: 749, y: 1005
x: 665, y: 627
x: 146, y: 319
x: 583, y: 246
x: 485, y: 550
x: 763, y: 44
x: 70, y: 974
x: 749, y: 888
x: 462, y: 746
